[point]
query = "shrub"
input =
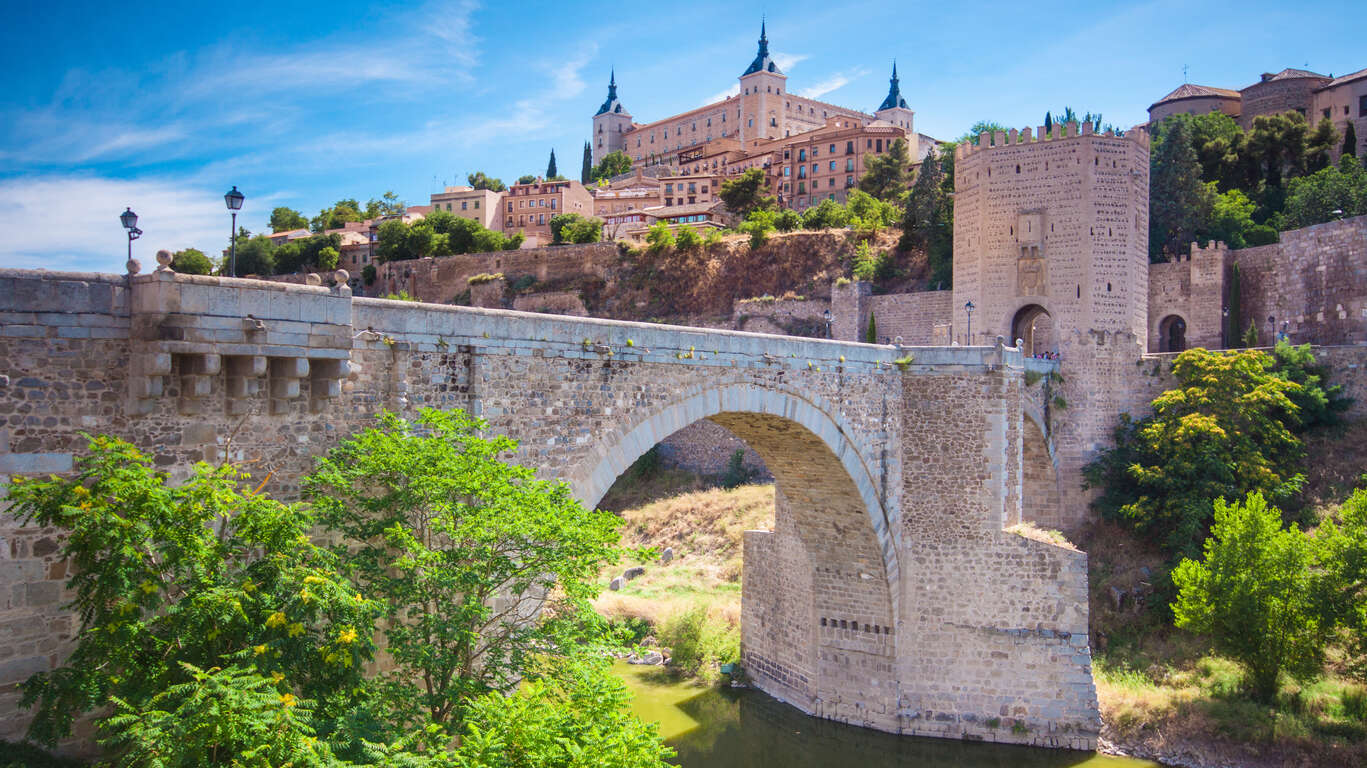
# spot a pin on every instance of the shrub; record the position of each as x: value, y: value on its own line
x: 484, y: 277
x: 660, y: 238
x: 713, y: 237
x: 687, y: 238
x: 736, y: 473
x: 191, y: 261
x: 327, y: 258
x: 870, y: 266
x: 788, y: 220
x: 696, y: 644
x: 368, y: 274
x: 1254, y: 593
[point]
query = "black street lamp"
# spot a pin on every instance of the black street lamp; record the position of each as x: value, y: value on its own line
x: 968, y: 310
x: 130, y: 223
x: 826, y: 315
x: 234, y: 200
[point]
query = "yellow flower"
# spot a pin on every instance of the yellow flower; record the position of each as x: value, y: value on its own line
x: 276, y: 619
x: 312, y: 580
x: 248, y: 586
x: 277, y: 677
x: 296, y: 629
x: 148, y: 587
x: 287, y: 699
x: 306, y: 595
x: 259, y: 649
x: 348, y: 636
x: 357, y: 597
x: 81, y: 490
x: 213, y: 633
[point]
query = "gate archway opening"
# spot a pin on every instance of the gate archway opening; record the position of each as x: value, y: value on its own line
x: 1172, y: 334
x: 1033, y: 326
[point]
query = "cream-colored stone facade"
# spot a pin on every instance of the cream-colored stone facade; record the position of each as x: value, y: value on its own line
x: 762, y: 126
x: 479, y: 205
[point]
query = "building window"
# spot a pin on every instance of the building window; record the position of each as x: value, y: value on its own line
x: 816, y: 151
x: 669, y: 201
x: 463, y: 205
x: 831, y: 183
x: 802, y: 172
x: 801, y: 154
x: 510, y: 206
x: 849, y: 147
x: 787, y: 171
x: 849, y: 182
x: 849, y: 164
x: 476, y: 205
x: 879, y: 146
x: 552, y: 205
x: 541, y: 219
x: 801, y: 187
x: 832, y: 149
x: 669, y: 189
x: 832, y: 165
x: 868, y: 143
x: 1362, y: 106
x: 750, y: 123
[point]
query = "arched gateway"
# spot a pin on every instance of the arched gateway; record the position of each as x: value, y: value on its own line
x: 889, y: 593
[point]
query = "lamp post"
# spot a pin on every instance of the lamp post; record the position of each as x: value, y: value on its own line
x: 826, y: 315
x: 1225, y: 331
x: 968, y: 310
x: 130, y: 223
x: 234, y: 200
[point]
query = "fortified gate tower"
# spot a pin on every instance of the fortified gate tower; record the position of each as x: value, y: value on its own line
x: 1051, y: 247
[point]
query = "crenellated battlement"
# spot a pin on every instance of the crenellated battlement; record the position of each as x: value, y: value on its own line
x: 1060, y: 132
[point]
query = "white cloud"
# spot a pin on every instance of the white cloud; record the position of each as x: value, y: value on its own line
x: 71, y: 222
x: 833, y: 83
x: 722, y: 95
x: 787, y: 61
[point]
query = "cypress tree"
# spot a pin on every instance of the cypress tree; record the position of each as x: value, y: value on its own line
x: 1350, y: 140
x: 550, y: 167
x: 1048, y: 122
x: 871, y: 334
x: 586, y: 174
x: 1251, y: 335
x: 1179, y: 204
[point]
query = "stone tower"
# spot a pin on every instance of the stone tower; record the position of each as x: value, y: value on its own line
x: 894, y: 108
x: 1051, y: 247
x: 761, y: 96
x: 610, y: 123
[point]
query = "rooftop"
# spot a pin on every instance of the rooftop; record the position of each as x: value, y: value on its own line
x: 1193, y: 91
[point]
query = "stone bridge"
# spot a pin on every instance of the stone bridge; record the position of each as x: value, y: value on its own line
x: 888, y: 595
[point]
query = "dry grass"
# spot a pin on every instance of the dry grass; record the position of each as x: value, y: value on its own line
x: 706, y: 529
x: 1031, y: 531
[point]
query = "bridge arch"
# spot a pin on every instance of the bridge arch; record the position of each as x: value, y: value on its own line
x: 760, y: 416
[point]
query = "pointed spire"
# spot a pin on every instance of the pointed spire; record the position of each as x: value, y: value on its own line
x: 894, y: 99
x: 762, y: 62
x: 612, y: 104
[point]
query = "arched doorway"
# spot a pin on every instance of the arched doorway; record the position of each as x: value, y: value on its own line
x: 1172, y: 334
x: 817, y: 590
x: 1033, y: 325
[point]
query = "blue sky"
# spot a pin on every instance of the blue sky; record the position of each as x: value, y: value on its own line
x: 164, y: 106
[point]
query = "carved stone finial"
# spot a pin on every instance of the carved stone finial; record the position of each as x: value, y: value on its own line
x: 341, y: 276
x: 133, y: 266
x: 313, y: 278
x: 164, y: 260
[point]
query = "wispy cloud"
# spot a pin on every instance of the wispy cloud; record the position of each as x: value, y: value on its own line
x: 787, y: 61
x: 833, y: 83
x: 722, y: 95
x: 71, y: 222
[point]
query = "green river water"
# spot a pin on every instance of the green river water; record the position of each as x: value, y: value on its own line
x: 725, y: 728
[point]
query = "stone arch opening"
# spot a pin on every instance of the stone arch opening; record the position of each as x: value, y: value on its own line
x: 1034, y: 326
x: 815, y: 588
x: 1172, y: 334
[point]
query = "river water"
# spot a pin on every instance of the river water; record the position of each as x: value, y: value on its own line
x: 726, y: 728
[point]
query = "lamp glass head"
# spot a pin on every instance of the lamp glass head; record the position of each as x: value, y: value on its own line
x: 129, y: 219
x: 234, y: 199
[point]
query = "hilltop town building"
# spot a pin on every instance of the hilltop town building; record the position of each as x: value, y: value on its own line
x: 469, y: 203
x: 1342, y: 100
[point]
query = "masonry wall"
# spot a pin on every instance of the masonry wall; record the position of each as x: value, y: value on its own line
x: 441, y: 280
x: 178, y: 364
x: 1315, y: 279
x: 913, y: 316
x: 1190, y: 288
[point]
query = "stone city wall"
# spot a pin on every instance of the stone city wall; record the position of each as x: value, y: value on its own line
x: 441, y: 280
x: 920, y: 319
x: 1315, y: 280
x: 794, y: 317
x: 706, y: 448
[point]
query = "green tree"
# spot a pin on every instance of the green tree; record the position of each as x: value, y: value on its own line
x: 1277, y: 144
x: 928, y: 220
x: 551, y: 171
x: 392, y: 242
x: 659, y: 238
x: 586, y: 171
x: 526, y: 179
x: 577, y: 717
x: 461, y: 551
x: 868, y: 265
x: 871, y: 333
x: 1231, y: 217
x: 1318, y: 402
x: 788, y: 220
x: 870, y: 213
x: 1220, y: 146
x: 1224, y: 432
x: 328, y: 258
x: 1250, y: 338
x: 886, y: 175
x: 559, y: 223
x: 1342, y: 548
x: 337, y: 216
x: 285, y: 219
x: 1350, y: 140
x: 1319, y: 145
x: 1179, y: 203
x: 388, y: 205
x: 746, y: 192
x: 758, y: 224
x: 478, y: 180
x: 201, y: 573
x: 614, y: 163
x: 255, y: 256
x: 191, y: 261
x: 368, y: 274
x: 1254, y: 594
x: 828, y: 214
x: 977, y: 129
x: 688, y: 238
x: 1334, y: 192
